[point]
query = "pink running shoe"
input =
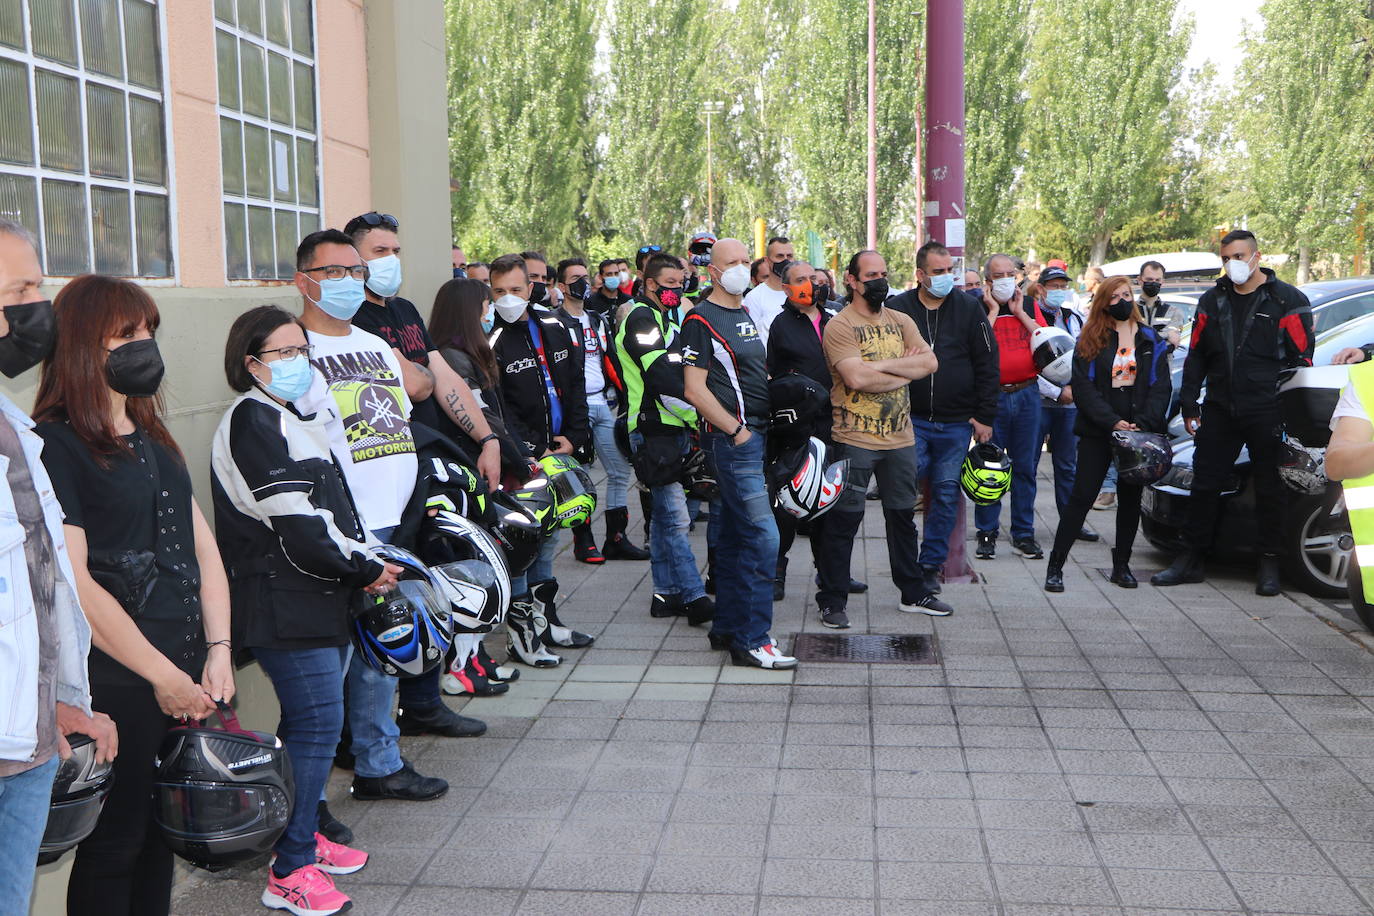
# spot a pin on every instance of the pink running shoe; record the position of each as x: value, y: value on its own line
x: 336, y: 858
x: 307, y: 891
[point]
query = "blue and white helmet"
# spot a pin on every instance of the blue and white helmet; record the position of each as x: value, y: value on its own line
x: 407, y: 631
x: 471, y: 569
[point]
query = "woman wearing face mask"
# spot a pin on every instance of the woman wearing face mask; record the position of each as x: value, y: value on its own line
x: 148, y: 572
x: 295, y: 550
x: 1120, y: 382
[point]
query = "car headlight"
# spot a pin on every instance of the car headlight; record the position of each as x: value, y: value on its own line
x: 1180, y: 477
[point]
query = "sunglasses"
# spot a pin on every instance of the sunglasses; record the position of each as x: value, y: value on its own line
x: 372, y: 221
x: 650, y: 248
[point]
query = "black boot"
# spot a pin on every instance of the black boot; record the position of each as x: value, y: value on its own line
x: 1054, y: 572
x: 1121, y: 569
x: 544, y: 595
x: 710, y: 581
x: 646, y: 508
x: 1267, y: 583
x: 618, y: 545
x: 1187, y: 567
x: 780, y: 579
x: 584, y: 545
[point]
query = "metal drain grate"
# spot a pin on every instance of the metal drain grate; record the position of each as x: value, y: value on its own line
x: 868, y: 649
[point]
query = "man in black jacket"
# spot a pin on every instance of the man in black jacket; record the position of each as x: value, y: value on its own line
x: 615, y: 276
x: 959, y: 398
x: 1248, y: 328
x: 546, y: 406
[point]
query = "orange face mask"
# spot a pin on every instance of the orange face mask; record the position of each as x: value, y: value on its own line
x: 800, y: 293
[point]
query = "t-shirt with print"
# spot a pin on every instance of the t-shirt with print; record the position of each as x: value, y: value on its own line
x: 400, y: 325
x: 763, y: 305
x: 591, y: 351
x: 726, y: 343
x: 872, y: 420
x: 359, y: 383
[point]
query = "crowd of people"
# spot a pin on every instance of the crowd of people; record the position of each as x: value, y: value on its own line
x: 764, y: 392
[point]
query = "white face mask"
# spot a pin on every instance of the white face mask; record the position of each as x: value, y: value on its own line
x: 1238, y: 271
x: 1003, y: 288
x: 735, y: 280
x: 384, y: 275
x: 510, y: 307
x: 624, y: 278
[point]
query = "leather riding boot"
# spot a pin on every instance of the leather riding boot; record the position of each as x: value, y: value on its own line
x: 1121, y: 569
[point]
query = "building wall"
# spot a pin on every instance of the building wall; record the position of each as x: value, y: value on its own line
x: 388, y: 57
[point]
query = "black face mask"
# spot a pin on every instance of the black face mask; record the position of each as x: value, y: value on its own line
x: 1151, y: 288
x: 579, y: 288
x: 875, y: 292
x: 135, y: 369
x: 822, y: 295
x: 780, y: 269
x: 693, y: 281
x: 538, y: 293
x: 33, y: 329
x: 1121, y: 309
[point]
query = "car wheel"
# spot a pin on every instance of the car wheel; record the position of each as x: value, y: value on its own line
x: 1318, y: 548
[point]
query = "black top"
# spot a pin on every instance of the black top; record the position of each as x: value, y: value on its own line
x: 529, y: 413
x: 726, y: 343
x: 1145, y: 403
x: 120, y: 510
x: 400, y: 325
x: 604, y: 305
x: 966, y: 384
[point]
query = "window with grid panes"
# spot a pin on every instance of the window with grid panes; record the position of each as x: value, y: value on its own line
x: 265, y: 54
x: 83, y: 156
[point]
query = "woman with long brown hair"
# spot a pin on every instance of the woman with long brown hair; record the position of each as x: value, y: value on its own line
x: 148, y: 571
x: 1120, y: 382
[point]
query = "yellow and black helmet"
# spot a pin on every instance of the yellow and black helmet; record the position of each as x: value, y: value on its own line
x: 986, y: 475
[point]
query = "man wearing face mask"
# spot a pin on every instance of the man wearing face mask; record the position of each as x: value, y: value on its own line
x: 765, y: 301
x: 606, y: 301
x: 948, y: 405
x: 603, y: 394
x: 541, y: 295
x: 1017, y: 428
x: 360, y: 385
x: 1248, y: 329
x: 45, y: 638
x: 1057, y: 412
x: 1166, y: 318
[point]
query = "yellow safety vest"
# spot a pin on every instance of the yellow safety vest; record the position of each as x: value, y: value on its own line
x: 1359, y: 491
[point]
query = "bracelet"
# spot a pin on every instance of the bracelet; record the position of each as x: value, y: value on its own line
x: 218, y: 642
x: 738, y: 430
x: 489, y: 437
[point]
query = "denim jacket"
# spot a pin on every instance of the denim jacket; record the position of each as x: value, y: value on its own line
x: 18, y: 618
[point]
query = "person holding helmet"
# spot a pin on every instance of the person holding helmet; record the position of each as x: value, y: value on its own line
x: 1247, y: 329
x: 1057, y: 411
x: 294, y: 548
x: 1122, y: 383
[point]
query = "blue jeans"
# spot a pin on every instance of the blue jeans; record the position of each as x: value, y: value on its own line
x: 309, y: 686
x: 1017, y: 429
x: 24, y: 800
x: 940, y: 451
x: 608, y: 453
x: 747, y: 554
x: 371, y: 696
x: 1057, y: 423
x: 541, y: 570
x: 672, y: 564
x: 1109, y: 483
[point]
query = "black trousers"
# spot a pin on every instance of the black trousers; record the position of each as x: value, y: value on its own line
x: 124, y: 868
x: 1219, y: 441
x: 787, y: 534
x: 1094, y: 458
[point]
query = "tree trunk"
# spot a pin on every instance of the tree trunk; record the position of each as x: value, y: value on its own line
x: 1304, y: 264
x: 1098, y: 256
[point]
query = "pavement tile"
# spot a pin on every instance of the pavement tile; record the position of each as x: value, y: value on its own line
x: 458, y: 867
x: 1298, y: 894
x: 1052, y: 884
x: 1186, y: 890
x: 655, y: 730
x: 895, y: 784
x: 576, y: 903
x: 820, y: 840
x: 1002, y: 814
x: 580, y: 871
x: 1262, y: 854
x: 826, y: 782
x: 1032, y: 786
x: 926, y: 844
x: 934, y: 881
x: 817, y: 877
x: 438, y: 901
x: 695, y: 874
x: 721, y: 808
x: 712, y: 779
x: 1124, y: 818
x: 1031, y: 847
x: 1145, y: 850
x: 808, y: 906
x: 622, y: 806
x: 804, y: 757
x: 698, y: 839
x: 736, y: 755
x: 827, y: 810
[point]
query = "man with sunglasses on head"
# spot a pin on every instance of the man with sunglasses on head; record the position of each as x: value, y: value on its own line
x: 765, y: 301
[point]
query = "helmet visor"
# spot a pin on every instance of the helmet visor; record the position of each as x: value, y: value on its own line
x: 200, y: 811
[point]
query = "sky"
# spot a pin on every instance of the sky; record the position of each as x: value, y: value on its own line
x: 1217, y: 34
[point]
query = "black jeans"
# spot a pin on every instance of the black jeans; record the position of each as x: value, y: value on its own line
x: 124, y: 868
x: 1094, y: 458
x: 1219, y: 441
x: 787, y: 534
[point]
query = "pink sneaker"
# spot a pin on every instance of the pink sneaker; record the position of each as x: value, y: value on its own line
x: 336, y: 858
x: 307, y: 891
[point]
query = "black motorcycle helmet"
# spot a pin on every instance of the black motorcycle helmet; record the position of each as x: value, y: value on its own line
x: 517, y: 531
x: 78, y: 794
x: 223, y: 796
x: 798, y: 403
x: 622, y: 436
x: 1141, y: 457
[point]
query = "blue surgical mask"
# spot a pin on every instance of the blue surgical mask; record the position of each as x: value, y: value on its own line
x: 340, y: 298
x: 384, y: 275
x: 488, y: 322
x: 1055, y: 298
x: 291, y: 378
x: 612, y: 283
x: 941, y: 285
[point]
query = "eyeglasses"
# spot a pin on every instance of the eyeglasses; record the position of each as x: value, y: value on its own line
x: 339, y: 271
x: 291, y: 352
x: 372, y: 221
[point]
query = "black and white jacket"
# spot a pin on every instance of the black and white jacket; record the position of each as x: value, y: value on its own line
x: 292, y: 542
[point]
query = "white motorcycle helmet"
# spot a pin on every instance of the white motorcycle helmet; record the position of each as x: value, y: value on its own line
x: 815, y: 484
x: 1052, y: 350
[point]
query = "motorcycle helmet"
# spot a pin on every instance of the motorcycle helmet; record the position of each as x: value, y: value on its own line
x: 538, y: 499
x: 986, y: 475
x: 407, y: 631
x: 1052, y: 350
x: 453, y: 486
x: 1303, y: 468
x: 573, y: 490
x: 517, y: 531
x: 699, y: 476
x: 798, y: 403
x: 469, y: 565
x: 1141, y: 458
x: 815, y: 484
x: 223, y: 796
x: 622, y: 436
x: 78, y: 795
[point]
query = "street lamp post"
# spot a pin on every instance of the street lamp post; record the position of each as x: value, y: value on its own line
x: 711, y: 108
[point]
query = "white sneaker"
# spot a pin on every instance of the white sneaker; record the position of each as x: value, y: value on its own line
x: 765, y: 656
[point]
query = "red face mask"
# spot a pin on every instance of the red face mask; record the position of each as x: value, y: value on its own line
x: 801, y: 293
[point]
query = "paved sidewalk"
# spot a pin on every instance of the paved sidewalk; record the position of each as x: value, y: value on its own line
x: 1105, y: 752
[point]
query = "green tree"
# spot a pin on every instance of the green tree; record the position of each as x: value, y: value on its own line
x: 1097, y: 135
